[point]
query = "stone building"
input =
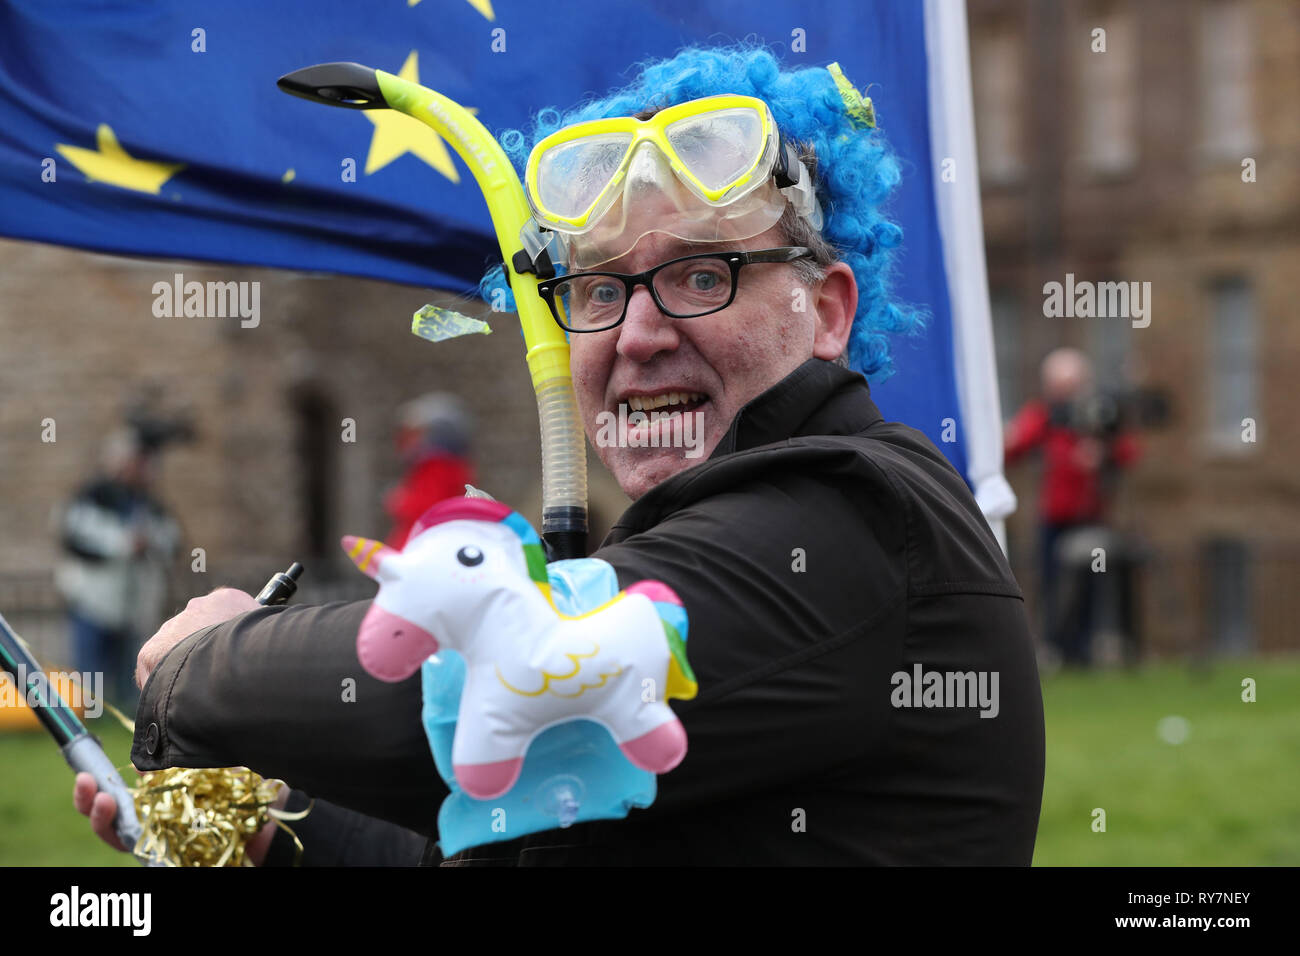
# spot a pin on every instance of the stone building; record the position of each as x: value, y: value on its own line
x: 274, y: 475
x: 1158, y: 142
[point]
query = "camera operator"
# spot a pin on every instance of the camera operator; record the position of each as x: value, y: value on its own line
x: 118, y: 542
x: 1085, y: 444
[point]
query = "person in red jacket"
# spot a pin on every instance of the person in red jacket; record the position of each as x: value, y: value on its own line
x: 1083, y: 450
x: 433, y: 439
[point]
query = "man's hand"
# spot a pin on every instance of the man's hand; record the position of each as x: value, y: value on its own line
x: 221, y: 605
x: 102, y: 808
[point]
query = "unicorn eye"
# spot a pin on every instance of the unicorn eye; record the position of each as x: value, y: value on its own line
x: 469, y: 556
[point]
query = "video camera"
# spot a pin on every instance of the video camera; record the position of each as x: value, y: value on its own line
x: 1104, y: 414
x: 156, y: 428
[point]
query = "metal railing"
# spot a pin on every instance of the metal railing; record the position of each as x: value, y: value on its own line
x: 1200, y: 601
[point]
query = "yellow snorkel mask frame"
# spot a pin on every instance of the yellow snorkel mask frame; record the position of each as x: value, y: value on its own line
x: 629, y: 133
x: 716, y: 169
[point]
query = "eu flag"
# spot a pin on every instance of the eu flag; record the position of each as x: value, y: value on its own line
x: 156, y: 129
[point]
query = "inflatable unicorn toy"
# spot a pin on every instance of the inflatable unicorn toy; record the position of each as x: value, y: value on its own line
x: 472, y: 578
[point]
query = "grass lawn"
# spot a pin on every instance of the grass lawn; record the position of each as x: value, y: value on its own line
x: 1225, y: 796
x: 38, y: 826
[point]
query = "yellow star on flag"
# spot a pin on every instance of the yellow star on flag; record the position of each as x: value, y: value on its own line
x: 397, y: 134
x: 111, y: 164
x: 482, y: 6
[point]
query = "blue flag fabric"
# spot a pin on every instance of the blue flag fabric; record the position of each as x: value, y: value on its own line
x: 156, y: 129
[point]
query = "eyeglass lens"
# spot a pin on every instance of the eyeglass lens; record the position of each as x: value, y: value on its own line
x: 692, y: 287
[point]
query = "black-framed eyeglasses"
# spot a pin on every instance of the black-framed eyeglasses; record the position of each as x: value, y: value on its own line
x: 682, y: 288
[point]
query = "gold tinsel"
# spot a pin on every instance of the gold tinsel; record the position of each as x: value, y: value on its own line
x: 201, y: 817
x: 206, y: 817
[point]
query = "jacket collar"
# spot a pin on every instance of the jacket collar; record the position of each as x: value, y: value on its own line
x: 817, y: 398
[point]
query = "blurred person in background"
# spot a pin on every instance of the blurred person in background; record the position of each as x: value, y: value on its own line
x: 433, y: 440
x: 118, y: 542
x: 1084, y: 447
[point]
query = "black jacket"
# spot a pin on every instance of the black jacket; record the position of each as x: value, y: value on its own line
x: 821, y: 553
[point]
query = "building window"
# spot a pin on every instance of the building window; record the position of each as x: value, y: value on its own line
x: 315, y: 441
x: 1107, y: 92
x: 998, y: 76
x: 1109, y: 341
x: 1226, y: 563
x: 1007, y: 342
x: 1226, y: 102
x: 1232, y: 362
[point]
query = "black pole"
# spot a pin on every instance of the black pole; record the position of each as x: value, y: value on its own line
x: 80, y: 748
x: 32, y: 683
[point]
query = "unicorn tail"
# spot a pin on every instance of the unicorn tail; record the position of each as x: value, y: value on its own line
x: 672, y: 615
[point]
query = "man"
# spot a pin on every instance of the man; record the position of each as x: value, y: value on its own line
x: 433, y: 439
x: 1083, y: 449
x: 825, y: 557
x: 118, y: 541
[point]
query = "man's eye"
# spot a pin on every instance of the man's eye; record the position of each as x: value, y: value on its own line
x: 605, y: 293
x: 703, y: 280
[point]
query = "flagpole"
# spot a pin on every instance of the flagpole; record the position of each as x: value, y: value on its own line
x: 957, y: 206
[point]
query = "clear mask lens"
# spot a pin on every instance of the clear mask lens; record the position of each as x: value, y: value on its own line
x: 572, y: 175
x: 655, y: 200
x: 719, y: 148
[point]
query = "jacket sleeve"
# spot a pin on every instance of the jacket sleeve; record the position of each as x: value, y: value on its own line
x: 280, y: 690
x: 1125, y: 450
x: 1026, y: 431
x: 332, y: 836
x: 792, y: 611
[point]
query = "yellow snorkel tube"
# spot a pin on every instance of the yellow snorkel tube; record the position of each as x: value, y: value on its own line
x: 564, y: 454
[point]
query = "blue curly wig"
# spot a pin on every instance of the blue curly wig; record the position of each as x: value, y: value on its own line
x: 856, y: 170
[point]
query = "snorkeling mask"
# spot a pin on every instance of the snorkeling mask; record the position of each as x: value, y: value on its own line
x: 709, y: 170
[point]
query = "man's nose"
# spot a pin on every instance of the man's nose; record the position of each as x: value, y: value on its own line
x: 645, y: 330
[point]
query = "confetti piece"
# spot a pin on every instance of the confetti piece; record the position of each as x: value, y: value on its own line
x: 859, y: 107
x: 438, y: 325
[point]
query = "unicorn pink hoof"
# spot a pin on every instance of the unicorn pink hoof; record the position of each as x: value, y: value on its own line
x: 390, y: 647
x: 483, y: 781
x: 655, y: 591
x: 660, y: 750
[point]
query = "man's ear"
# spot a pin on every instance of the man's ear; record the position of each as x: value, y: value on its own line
x: 837, y: 303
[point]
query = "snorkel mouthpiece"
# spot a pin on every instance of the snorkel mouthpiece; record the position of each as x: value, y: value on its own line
x: 349, y: 85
